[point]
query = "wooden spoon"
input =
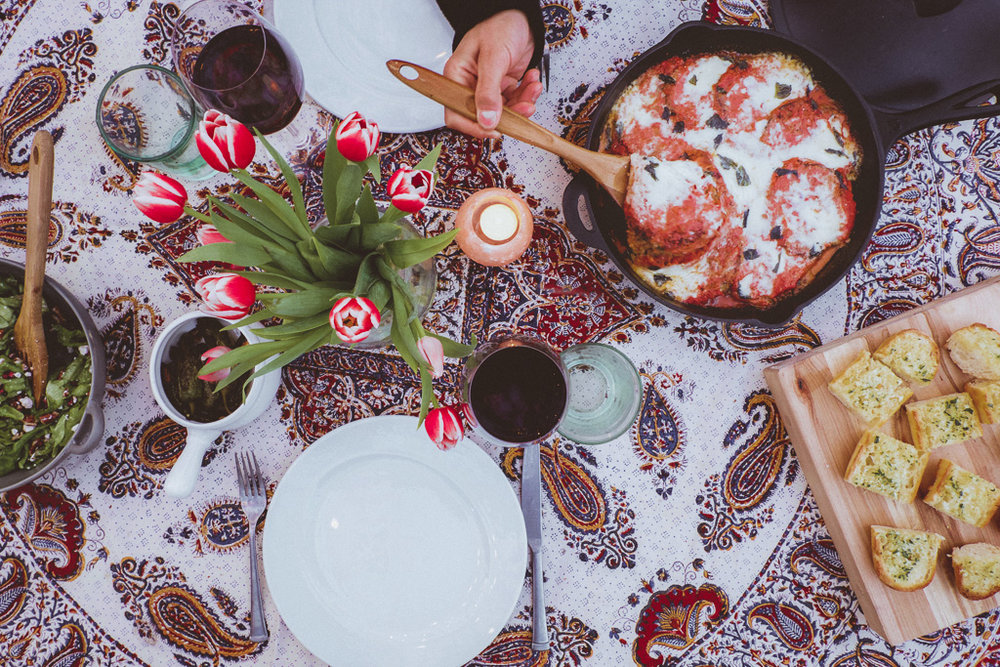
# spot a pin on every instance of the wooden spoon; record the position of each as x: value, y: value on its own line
x: 29, y: 336
x: 610, y: 171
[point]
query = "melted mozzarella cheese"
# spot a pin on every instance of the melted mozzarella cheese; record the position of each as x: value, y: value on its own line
x: 662, y: 184
x: 699, y: 83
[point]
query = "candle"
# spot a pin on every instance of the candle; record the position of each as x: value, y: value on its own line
x: 494, y: 227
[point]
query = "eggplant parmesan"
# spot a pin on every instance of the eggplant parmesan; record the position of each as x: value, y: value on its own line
x: 740, y: 186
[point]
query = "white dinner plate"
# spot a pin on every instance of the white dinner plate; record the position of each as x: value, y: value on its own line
x: 380, y: 549
x: 343, y: 47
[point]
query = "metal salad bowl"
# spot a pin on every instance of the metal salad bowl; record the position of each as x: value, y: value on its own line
x: 91, y: 427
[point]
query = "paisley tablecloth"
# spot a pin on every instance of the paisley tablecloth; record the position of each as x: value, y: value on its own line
x: 691, y: 540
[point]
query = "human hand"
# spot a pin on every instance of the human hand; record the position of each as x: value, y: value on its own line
x: 491, y: 58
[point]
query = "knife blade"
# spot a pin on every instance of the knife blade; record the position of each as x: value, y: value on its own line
x: 531, y: 508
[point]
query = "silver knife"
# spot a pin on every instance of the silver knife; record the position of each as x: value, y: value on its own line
x: 531, y: 508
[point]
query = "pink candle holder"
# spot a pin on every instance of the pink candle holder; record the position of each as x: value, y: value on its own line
x: 494, y: 227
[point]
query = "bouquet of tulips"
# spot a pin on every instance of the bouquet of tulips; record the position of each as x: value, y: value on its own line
x: 330, y: 284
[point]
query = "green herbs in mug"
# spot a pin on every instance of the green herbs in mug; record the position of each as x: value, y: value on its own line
x: 194, y: 398
x: 32, y: 433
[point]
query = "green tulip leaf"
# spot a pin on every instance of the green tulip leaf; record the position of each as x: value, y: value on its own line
x: 367, y: 209
x: 292, y: 265
x: 274, y: 280
x: 380, y: 293
x: 275, y: 203
x: 227, y: 253
x: 377, y: 233
x: 303, y: 304
x: 405, y: 253
x: 264, y: 218
x: 303, y: 345
x: 294, y: 327
x: 291, y: 179
x: 452, y: 348
x: 347, y: 189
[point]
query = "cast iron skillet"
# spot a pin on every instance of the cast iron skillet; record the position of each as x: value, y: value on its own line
x: 91, y: 427
x: 875, y: 130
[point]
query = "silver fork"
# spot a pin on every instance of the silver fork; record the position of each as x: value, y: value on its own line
x: 253, y: 499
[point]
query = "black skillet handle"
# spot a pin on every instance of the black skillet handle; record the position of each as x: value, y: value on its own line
x: 892, y: 125
x: 585, y: 231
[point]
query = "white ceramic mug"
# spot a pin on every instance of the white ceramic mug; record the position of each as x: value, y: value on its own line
x: 184, y: 473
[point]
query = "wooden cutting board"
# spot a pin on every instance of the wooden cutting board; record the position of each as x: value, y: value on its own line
x: 824, y: 434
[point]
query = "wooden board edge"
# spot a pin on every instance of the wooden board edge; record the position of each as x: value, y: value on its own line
x: 934, y: 303
x: 892, y: 634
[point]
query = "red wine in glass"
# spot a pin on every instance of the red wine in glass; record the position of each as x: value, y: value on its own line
x: 246, y: 72
x: 517, y: 390
x: 233, y: 60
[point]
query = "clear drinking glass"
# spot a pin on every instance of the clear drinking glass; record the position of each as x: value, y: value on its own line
x: 605, y: 394
x: 145, y: 114
x: 232, y: 59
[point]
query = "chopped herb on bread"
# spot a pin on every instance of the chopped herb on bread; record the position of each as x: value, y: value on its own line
x: 977, y: 570
x: 962, y: 494
x: 943, y: 420
x: 976, y: 350
x: 887, y: 466
x: 905, y: 559
x: 870, y: 389
x: 986, y: 397
x: 911, y: 354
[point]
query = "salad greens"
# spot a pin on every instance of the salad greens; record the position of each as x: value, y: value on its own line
x: 31, y: 434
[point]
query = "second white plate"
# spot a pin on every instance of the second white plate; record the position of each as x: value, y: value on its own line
x: 343, y: 48
x: 379, y: 549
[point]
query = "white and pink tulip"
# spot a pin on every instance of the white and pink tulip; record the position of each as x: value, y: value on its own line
x: 409, y: 189
x: 444, y: 427
x: 159, y: 197
x: 226, y: 295
x: 357, y: 137
x: 354, y: 318
x: 211, y: 355
x: 224, y: 142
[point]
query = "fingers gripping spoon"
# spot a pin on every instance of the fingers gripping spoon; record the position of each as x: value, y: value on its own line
x: 29, y: 335
x: 610, y: 171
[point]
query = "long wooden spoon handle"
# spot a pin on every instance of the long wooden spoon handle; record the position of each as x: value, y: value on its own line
x: 462, y: 99
x: 611, y: 171
x: 39, y: 214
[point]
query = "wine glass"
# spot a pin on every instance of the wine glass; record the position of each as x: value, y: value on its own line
x: 232, y: 59
x: 516, y: 389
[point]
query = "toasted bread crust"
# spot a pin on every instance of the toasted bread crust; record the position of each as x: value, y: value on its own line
x: 976, y: 350
x: 977, y: 498
x: 943, y: 420
x: 887, y: 466
x: 911, y: 354
x: 986, y: 397
x: 922, y: 565
x: 977, y: 570
x: 870, y: 390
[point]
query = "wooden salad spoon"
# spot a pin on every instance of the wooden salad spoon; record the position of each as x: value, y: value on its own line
x: 29, y: 334
x: 610, y: 171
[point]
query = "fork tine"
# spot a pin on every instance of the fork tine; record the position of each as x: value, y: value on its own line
x: 258, y: 478
x: 239, y: 474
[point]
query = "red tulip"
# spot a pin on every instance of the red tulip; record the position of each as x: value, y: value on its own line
x: 444, y: 427
x: 227, y: 295
x: 210, y: 355
x: 225, y: 143
x: 208, y: 234
x: 433, y: 353
x: 159, y: 197
x: 357, y: 137
x: 353, y: 318
x: 410, y: 188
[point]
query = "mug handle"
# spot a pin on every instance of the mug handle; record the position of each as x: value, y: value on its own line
x: 183, y: 475
x: 89, y: 431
